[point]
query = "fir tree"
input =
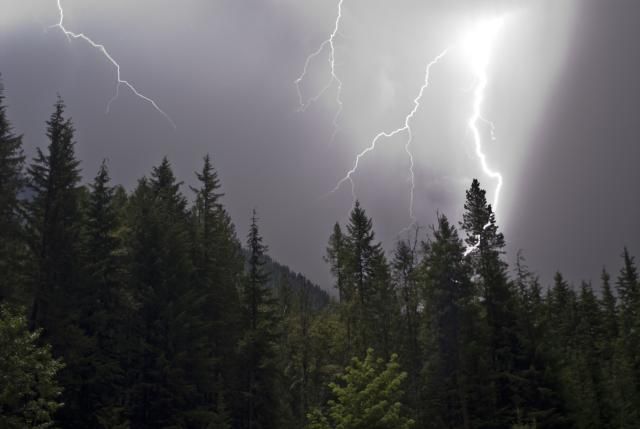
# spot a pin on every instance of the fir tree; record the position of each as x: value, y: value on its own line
x: 12, y: 183
x: 258, y: 344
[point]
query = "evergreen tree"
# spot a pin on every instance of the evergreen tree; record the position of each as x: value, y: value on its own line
x: 104, y: 308
x: 336, y: 260
x: 29, y: 390
x: 53, y: 223
x: 367, y: 396
x: 363, y: 263
x: 628, y: 349
x: 257, y: 347
x: 455, y: 365
x: 54, y: 226
x: 12, y: 183
x: 162, y: 372
x: 406, y: 280
x: 218, y: 264
x: 486, y: 246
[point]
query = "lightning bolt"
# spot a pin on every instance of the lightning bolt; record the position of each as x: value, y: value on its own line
x: 481, y: 42
x: 406, y: 127
x: 329, y: 42
x: 119, y: 81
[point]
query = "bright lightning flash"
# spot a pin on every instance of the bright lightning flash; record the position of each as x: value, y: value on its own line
x: 330, y: 43
x: 478, y: 46
x: 119, y: 81
x: 406, y: 127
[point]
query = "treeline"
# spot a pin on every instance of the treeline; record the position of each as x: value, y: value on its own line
x: 142, y: 310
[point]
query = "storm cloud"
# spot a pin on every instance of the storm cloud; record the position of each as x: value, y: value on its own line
x: 562, y: 94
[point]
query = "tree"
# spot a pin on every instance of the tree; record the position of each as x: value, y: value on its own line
x: 12, y: 183
x: 218, y: 269
x: 511, y: 377
x: 336, y: 259
x: 364, y: 264
x: 29, y: 390
x: 163, y: 369
x: 53, y: 223
x: 54, y: 228
x: 104, y: 307
x: 257, y: 347
x: 455, y: 367
x: 367, y: 396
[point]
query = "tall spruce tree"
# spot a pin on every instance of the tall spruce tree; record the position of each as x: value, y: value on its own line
x: 455, y: 365
x: 53, y: 222
x: 362, y: 259
x: 257, y: 347
x: 12, y: 183
x: 510, y: 375
x: 104, y: 309
x: 219, y: 265
x: 54, y: 225
x: 164, y: 371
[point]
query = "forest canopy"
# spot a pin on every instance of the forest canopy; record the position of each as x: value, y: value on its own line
x: 144, y: 309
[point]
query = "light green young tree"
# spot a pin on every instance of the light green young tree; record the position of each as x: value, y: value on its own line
x: 29, y: 390
x: 367, y: 396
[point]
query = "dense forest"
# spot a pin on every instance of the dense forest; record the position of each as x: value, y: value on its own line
x: 143, y: 309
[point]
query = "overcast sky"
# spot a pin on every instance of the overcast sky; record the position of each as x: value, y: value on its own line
x: 563, y: 94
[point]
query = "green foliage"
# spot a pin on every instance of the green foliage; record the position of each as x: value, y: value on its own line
x: 29, y: 390
x: 367, y: 396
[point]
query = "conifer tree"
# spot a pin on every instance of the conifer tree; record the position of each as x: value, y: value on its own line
x: 104, y: 308
x: 455, y: 355
x: 29, y: 390
x: 257, y: 347
x: 510, y: 374
x: 367, y: 396
x: 218, y: 264
x: 164, y: 372
x: 53, y: 224
x: 12, y: 183
x: 362, y: 259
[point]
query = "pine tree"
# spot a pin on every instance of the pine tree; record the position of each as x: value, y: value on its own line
x: 486, y: 245
x: 336, y: 259
x: 218, y: 264
x: 455, y: 356
x: 406, y: 280
x: 627, y: 361
x: 12, y: 183
x: 53, y: 222
x: 257, y: 347
x: 104, y: 308
x: 163, y: 371
x: 362, y: 264
x: 54, y: 226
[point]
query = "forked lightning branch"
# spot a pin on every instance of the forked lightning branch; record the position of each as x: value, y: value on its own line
x: 476, y: 46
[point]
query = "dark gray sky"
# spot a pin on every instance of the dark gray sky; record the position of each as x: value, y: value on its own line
x: 563, y: 94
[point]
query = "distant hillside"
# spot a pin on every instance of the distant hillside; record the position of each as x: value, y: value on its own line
x: 281, y: 274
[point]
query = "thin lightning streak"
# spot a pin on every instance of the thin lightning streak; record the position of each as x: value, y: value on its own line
x: 69, y: 34
x: 406, y: 127
x: 333, y: 78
